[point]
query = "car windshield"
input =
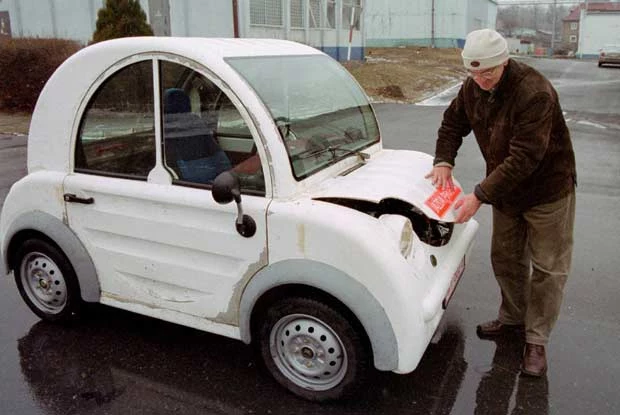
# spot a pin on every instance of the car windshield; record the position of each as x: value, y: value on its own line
x: 321, y: 112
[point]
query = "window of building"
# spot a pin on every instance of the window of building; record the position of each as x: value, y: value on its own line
x: 266, y: 13
x: 330, y: 14
x: 351, y: 13
x: 117, y: 133
x: 574, y: 26
x: 572, y: 39
x: 297, y: 13
x: 315, y: 14
x: 322, y: 14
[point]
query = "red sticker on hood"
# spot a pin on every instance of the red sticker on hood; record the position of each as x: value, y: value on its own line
x: 442, y: 199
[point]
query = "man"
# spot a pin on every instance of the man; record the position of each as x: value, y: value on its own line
x: 530, y: 181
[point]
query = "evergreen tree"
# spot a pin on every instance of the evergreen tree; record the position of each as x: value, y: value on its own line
x: 121, y: 18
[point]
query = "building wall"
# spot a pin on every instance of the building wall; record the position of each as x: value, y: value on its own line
x: 405, y: 22
x: 199, y: 18
x: 597, y: 30
x: 65, y: 19
x: 398, y: 22
x: 76, y: 19
x: 517, y: 46
x: 481, y: 14
x: 331, y: 35
x: 570, y: 28
x: 68, y: 19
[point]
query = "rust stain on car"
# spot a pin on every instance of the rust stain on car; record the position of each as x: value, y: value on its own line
x: 129, y: 300
x: 231, y: 315
x: 301, y: 238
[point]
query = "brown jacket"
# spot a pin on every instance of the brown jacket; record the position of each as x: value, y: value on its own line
x: 523, y: 137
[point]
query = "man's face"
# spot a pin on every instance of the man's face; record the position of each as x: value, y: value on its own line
x: 488, y: 78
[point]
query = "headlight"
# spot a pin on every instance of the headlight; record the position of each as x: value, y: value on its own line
x: 402, y: 228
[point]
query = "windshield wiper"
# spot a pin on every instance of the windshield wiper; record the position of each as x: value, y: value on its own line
x: 345, y: 152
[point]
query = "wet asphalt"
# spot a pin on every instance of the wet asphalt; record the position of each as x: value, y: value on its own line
x: 116, y: 362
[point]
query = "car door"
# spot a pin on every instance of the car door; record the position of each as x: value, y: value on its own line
x: 160, y: 243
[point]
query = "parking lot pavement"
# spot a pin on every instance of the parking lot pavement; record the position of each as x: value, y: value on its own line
x: 117, y: 362
x: 14, y: 123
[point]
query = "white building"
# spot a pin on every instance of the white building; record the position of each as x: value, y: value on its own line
x: 439, y: 23
x: 341, y: 28
x: 599, y: 25
x: 324, y: 24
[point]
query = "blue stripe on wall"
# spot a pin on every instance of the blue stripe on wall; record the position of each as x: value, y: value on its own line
x: 439, y: 42
x: 341, y: 53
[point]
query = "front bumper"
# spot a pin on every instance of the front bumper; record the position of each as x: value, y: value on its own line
x: 424, y: 317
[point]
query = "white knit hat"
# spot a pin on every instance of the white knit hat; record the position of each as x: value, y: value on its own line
x: 484, y: 48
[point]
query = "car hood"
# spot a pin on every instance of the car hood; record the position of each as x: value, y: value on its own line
x: 389, y: 174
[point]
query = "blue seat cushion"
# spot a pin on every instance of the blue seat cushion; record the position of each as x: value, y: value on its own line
x: 204, y: 170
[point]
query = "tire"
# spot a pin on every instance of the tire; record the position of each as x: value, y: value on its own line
x: 312, y: 349
x: 47, y: 282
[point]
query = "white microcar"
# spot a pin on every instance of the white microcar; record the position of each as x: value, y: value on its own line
x: 240, y: 187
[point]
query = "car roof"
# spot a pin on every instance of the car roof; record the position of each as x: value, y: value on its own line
x: 217, y: 47
x: 54, y: 118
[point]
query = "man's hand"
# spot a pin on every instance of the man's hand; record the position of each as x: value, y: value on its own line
x: 466, y: 207
x: 441, y: 177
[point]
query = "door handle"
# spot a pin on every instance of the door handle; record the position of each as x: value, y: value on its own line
x: 70, y: 197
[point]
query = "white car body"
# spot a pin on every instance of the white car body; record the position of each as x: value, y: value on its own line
x: 173, y: 253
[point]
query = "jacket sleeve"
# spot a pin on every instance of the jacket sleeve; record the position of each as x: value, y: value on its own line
x: 530, y: 137
x: 454, y: 126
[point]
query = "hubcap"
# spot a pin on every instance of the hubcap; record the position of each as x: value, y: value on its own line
x: 308, y: 352
x: 43, y: 282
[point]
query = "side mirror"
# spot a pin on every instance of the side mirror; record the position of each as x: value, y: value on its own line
x: 226, y: 188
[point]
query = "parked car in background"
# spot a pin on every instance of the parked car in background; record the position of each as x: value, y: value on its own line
x: 337, y: 255
x: 609, y: 54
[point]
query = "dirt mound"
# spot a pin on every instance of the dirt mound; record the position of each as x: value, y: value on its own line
x: 407, y: 74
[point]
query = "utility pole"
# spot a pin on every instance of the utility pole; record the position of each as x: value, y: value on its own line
x: 553, y: 30
x: 433, y: 24
x: 582, y: 22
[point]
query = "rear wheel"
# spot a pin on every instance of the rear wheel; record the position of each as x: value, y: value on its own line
x: 312, y: 349
x: 46, y: 281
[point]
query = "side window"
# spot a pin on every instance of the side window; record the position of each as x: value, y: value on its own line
x: 204, y: 133
x: 117, y: 134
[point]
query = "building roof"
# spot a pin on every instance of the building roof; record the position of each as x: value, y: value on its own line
x: 575, y: 13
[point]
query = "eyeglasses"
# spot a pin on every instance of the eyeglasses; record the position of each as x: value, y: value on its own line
x: 485, y: 74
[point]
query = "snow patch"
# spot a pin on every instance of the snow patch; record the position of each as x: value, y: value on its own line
x: 443, y: 98
x: 592, y: 124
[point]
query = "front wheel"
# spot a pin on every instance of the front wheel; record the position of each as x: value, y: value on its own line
x: 46, y: 281
x: 312, y: 349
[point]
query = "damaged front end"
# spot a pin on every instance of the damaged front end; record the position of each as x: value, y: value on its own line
x: 430, y: 231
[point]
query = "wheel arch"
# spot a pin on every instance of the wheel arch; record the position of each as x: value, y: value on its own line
x: 44, y: 226
x: 321, y: 281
